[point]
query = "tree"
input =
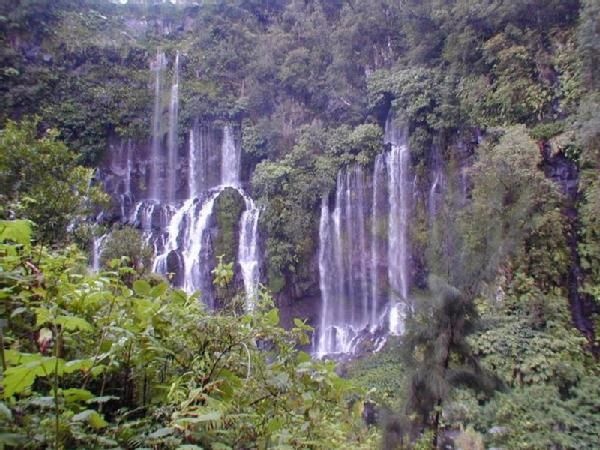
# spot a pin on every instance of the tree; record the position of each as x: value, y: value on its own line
x: 510, y: 198
x: 130, y: 243
x: 436, y: 346
x: 589, y: 42
x: 41, y: 180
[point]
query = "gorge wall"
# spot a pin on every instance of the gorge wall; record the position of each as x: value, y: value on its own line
x: 241, y: 129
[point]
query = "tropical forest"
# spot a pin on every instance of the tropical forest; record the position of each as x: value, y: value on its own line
x: 300, y: 224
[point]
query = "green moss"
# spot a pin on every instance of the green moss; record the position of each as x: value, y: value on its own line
x: 382, y: 373
x: 229, y: 207
x: 276, y: 282
x: 545, y: 131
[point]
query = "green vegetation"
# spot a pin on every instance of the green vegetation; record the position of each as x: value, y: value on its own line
x: 92, y: 361
x: 229, y: 207
x: 500, y: 348
x: 40, y: 180
x: 127, y: 243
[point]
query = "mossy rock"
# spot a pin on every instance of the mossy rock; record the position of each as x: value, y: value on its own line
x: 229, y: 207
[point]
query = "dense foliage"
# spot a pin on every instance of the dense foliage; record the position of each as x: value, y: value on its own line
x: 501, y: 344
x: 40, y: 180
x: 90, y: 361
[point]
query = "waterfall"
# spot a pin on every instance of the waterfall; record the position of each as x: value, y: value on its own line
x: 338, y: 271
x: 364, y: 251
x: 158, y: 67
x: 399, y: 190
x: 97, y: 249
x: 349, y: 309
x: 379, y: 177
x: 326, y: 282
x: 192, y: 163
x: 172, y: 136
x: 198, y: 161
x: 176, y: 213
x: 120, y: 162
x: 128, y: 169
x: 248, y: 256
x: 360, y: 215
x: 230, y: 161
x: 187, y: 237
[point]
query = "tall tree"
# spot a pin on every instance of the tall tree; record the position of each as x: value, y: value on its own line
x: 40, y: 180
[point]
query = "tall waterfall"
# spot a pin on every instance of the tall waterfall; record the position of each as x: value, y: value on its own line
x: 364, y: 251
x: 230, y: 161
x: 398, y: 193
x: 345, y: 272
x: 378, y: 233
x: 248, y: 255
x: 187, y: 237
x: 176, y: 198
x: 172, y: 146
x: 158, y: 66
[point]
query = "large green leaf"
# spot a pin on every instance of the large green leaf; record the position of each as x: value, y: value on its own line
x: 91, y: 417
x: 159, y: 290
x: 73, y: 323
x: 141, y: 287
x: 75, y: 395
x: 272, y: 317
x: 20, y: 378
x: 18, y: 231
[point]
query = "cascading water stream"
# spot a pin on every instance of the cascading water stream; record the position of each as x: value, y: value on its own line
x: 360, y: 215
x: 172, y: 147
x: 349, y: 309
x: 398, y: 188
x: 338, y: 275
x: 180, y: 230
x: 194, y: 246
x: 158, y: 66
x: 379, y: 178
x: 230, y: 161
x: 128, y: 169
x: 97, y: 248
x: 326, y: 282
x: 364, y: 270
x: 187, y: 232
x: 248, y: 256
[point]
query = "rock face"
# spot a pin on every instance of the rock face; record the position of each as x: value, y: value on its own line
x: 565, y: 173
x: 189, y: 201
